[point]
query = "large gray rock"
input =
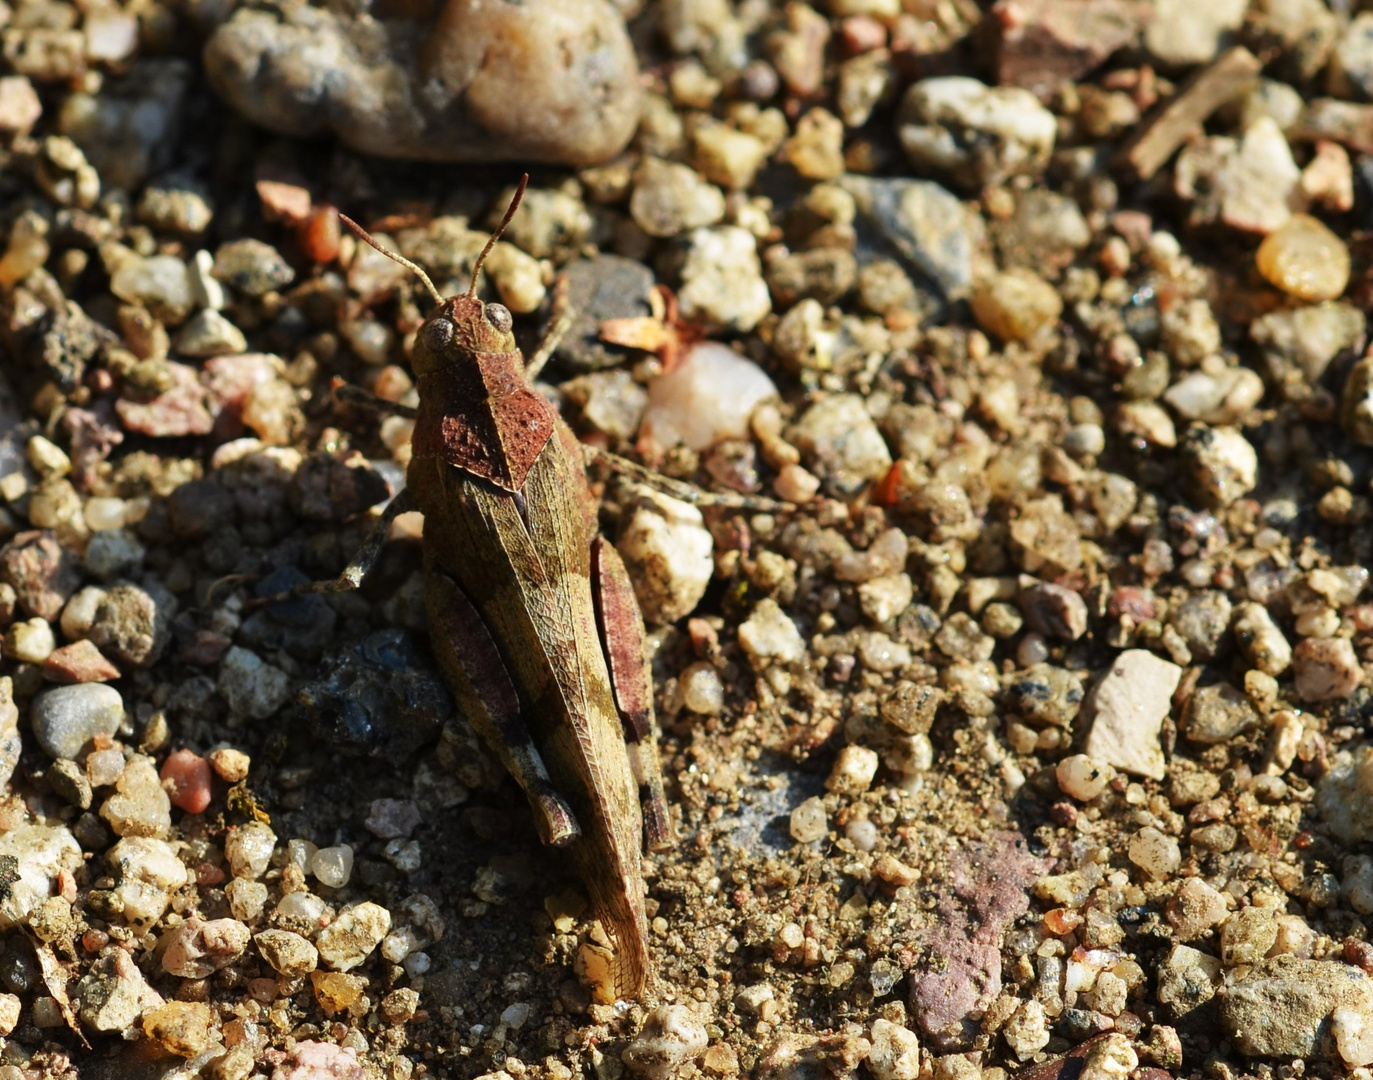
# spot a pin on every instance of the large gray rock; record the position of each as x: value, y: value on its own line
x: 489, y: 80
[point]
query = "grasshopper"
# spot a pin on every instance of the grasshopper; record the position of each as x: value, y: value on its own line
x: 532, y: 615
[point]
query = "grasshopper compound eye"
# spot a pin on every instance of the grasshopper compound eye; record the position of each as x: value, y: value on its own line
x: 498, y: 315
x: 438, y: 333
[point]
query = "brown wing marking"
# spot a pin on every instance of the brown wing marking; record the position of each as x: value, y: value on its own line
x: 484, y: 419
x: 622, y: 635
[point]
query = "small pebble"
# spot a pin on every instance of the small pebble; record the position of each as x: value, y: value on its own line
x: 230, y: 765
x: 1081, y: 778
x: 1016, y: 305
x: 670, y: 1038
x: 1305, y: 259
x: 1127, y: 708
x: 809, y: 821
x: 710, y: 396
x: 66, y: 718
x: 289, y: 954
x: 667, y: 550
x: 350, y: 939
x: 189, y: 777
x: 248, y: 849
x: 333, y: 866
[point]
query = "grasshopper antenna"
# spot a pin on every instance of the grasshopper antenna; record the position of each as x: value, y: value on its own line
x: 509, y: 213
x: 366, y: 237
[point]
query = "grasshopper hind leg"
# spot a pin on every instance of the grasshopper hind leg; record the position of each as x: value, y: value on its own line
x: 469, y: 658
x: 622, y: 636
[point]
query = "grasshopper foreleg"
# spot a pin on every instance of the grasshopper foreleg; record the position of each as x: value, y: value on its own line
x: 353, y: 574
x: 622, y: 636
x: 559, y: 323
x: 348, y: 394
x: 468, y: 655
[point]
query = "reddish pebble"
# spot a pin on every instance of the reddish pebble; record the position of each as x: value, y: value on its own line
x: 79, y: 662
x: 863, y: 33
x: 209, y: 875
x: 319, y: 236
x: 94, y: 940
x: 190, y: 778
x: 66, y: 886
x: 1359, y: 953
x: 205, y: 649
x: 283, y: 201
x: 1061, y: 921
x: 1133, y: 601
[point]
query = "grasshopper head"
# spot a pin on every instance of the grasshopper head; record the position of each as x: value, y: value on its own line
x: 461, y: 327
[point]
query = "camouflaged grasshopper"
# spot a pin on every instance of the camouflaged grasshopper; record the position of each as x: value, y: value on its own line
x: 532, y: 616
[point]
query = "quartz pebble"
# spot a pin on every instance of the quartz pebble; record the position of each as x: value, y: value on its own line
x: 288, y: 953
x: 722, y: 284
x: 972, y: 133
x: 148, y: 872
x: 1127, y: 709
x: 1081, y: 778
x: 1220, y: 464
x: 769, y: 636
x: 667, y: 550
x: 248, y: 849
x: 198, y: 948
x: 66, y: 718
x: 36, y: 856
x: 1195, y: 909
x: 1016, y: 305
x: 1261, y: 639
x: 1326, y: 669
x: 671, y: 1037
x: 1154, y: 853
x: 842, y: 443
x: 114, y: 996
x: 139, y: 806
x: 1345, y: 795
x: 710, y: 396
x: 1180, y: 34
x: 350, y: 939
x: 332, y: 866
x: 669, y: 199
x: 809, y: 822
x: 853, y: 771
x: 1305, y: 259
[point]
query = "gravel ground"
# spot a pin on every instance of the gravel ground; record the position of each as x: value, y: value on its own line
x: 1037, y: 727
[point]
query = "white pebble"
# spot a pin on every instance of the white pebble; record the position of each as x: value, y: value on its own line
x: 809, y: 822
x: 102, y: 512
x: 1081, y: 778
x: 671, y: 1037
x: 853, y: 771
x: 701, y: 689
x: 249, y: 849
x: 333, y: 866
x: 708, y: 397
x: 1154, y: 853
